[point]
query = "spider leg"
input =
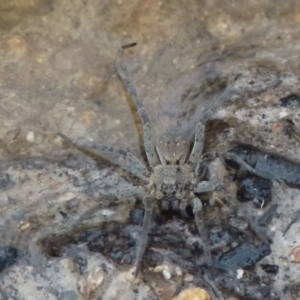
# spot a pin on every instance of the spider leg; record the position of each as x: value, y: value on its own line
x: 204, y: 187
x: 119, y: 196
x: 129, y: 162
x: 197, y: 210
x: 104, y: 202
x: 198, y: 144
x: 148, y: 143
x: 235, y: 158
x: 148, y: 202
x: 175, y: 204
x: 218, y: 175
x: 253, y: 225
x: 182, y: 207
x: 244, y: 165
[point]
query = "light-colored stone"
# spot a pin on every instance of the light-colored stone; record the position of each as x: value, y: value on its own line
x: 193, y: 294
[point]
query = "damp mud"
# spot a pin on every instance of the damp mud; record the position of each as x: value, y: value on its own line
x: 233, y: 65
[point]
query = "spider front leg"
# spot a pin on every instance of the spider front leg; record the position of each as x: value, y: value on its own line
x: 130, y: 163
x: 148, y: 142
x: 148, y: 202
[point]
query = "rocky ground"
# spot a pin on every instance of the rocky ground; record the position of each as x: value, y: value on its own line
x: 238, y: 61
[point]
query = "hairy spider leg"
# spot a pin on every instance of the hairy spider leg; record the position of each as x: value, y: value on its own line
x: 197, y: 211
x: 150, y: 153
x: 205, y: 187
x: 148, y: 141
x: 130, y: 162
x: 182, y: 207
x: 148, y: 203
x: 243, y: 164
x: 118, y: 197
x: 195, y: 159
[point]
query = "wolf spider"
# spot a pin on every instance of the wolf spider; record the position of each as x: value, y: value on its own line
x: 171, y: 174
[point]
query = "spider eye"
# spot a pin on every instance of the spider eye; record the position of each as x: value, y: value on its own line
x: 177, y: 162
x: 167, y: 162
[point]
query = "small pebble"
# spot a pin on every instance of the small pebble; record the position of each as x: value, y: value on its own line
x: 175, y: 61
x: 283, y: 114
x: 193, y: 294
x: 107, y: 212
x: 147, y: 288
x: 296, y: 255
x: 30, y: 136
x: 188, y: 278
x: 178, y: 271
x: 89, y: 282
x: 158, y: 269
x: 239, y: 273
x: 25, y: 226
x: 166, y: 274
